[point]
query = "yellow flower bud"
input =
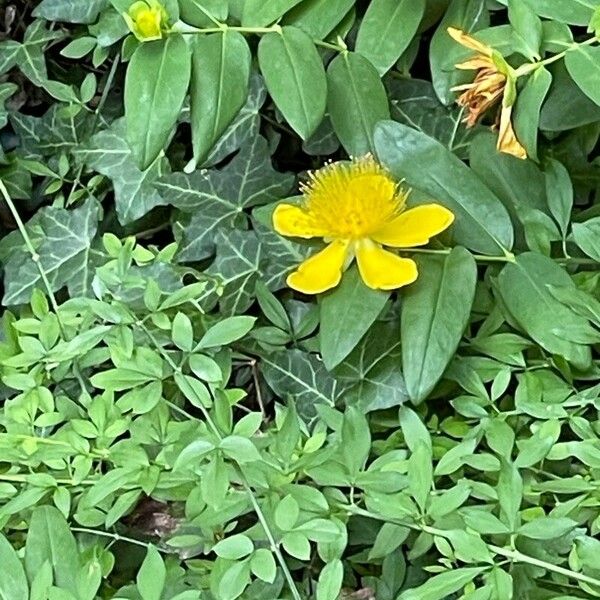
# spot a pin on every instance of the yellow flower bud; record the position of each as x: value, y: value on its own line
x: 147, y: 19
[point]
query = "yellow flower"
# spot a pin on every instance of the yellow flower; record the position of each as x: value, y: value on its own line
x: 357, y: 208
x: 147, y: 20
x: 493, y: 81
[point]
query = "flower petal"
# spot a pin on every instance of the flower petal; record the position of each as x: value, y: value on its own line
x: 507, y: 140
x: 415, y: 226
x: 292, y: 220
x: 382, y: 270
x: 322, y: 271
x: 469, y: 42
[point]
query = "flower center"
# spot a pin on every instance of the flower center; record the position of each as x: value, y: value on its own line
x: 353, y: 201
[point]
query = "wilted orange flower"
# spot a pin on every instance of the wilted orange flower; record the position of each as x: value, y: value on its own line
x: 492, y: 83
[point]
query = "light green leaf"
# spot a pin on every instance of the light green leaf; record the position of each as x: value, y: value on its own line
x: 151, y: 576
x: 226, y: 331
x: 220, y: 76
x: 440, y: 586
x: 547, y: 528
x: 576, y: 12
x: 387, y: 29
x: 346, y: 315
x: 356, y: 101
x: 234, y: 547
x: 527, y: 28
x: 330, y: 580
x: 295, y: 78
x: 155, y: 87
x: 559, y: 193
x: 435, y: 312
x: 482, y: 223
x: 50, y: 539
x: 586, y: 237
x: 263, y: 565
x: 13, y: 583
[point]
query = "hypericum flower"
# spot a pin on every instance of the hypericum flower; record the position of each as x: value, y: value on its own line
x: 494, y: 80
x: 357, y: 208
x: 147, y: 20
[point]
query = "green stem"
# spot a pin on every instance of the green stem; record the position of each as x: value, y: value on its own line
x: 35, y: 257
x: 114, y: 536
x: 510, y: 554
x: 185, y: 29
x: 256, y: 506
x: 529, y: 67
x: 508, y: 257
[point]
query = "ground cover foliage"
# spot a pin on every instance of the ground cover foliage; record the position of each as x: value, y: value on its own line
x: 177, y: 423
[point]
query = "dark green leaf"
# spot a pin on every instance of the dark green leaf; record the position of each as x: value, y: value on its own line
x: 346, y: 315
x: 295, y: 78
x: 157, y: 81
x: 220, y: 76
x: 356, y: 101
x: 435, y: 312
x: 387, y: 29
x: 482, y: 223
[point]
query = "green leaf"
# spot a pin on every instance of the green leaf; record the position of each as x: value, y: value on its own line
x: 387, y: 29
x: 234, y: 547
x: 71, y: 11
x: 108, y: 153
x: 482, y: 223
x: 527, y: 110
x: 195, y: 12
x: 510, y: 494
x: 346, y: 315
x: 287, y: 513
x: 240, y: 449
x: 576, y: 12
x: 370, y: 374
x: 263, y: 565
x: 295, y: 77
x: 318, y: 18
x: 258, y: 13
x: 301, y: 375
x: 582, y: 110
x: 297, y: 545
x: 547, y: 528
x: 194, y: 390
x: 62, y: 239
x: 13, y: 583
x: 226, y: 331
x: 435, y: 312
x: 583, y: 64
x: 9, y: 55
x: 155, y: 87
x: 216, y: 198
x: 182, y: 332
x: 237, y: 266
x: 152, y: 575
x: 522, y: 285
x: 220, y: 78
x: 420, y: 474
x: 356, y: 440
x: 527, y: 28
x: 559, y: 192
x: 234, y: 581
x: 440, y: 586
x: 586, y: 237
x: 356, y: 101
x: 50, y: 539
x: 330, y: 580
